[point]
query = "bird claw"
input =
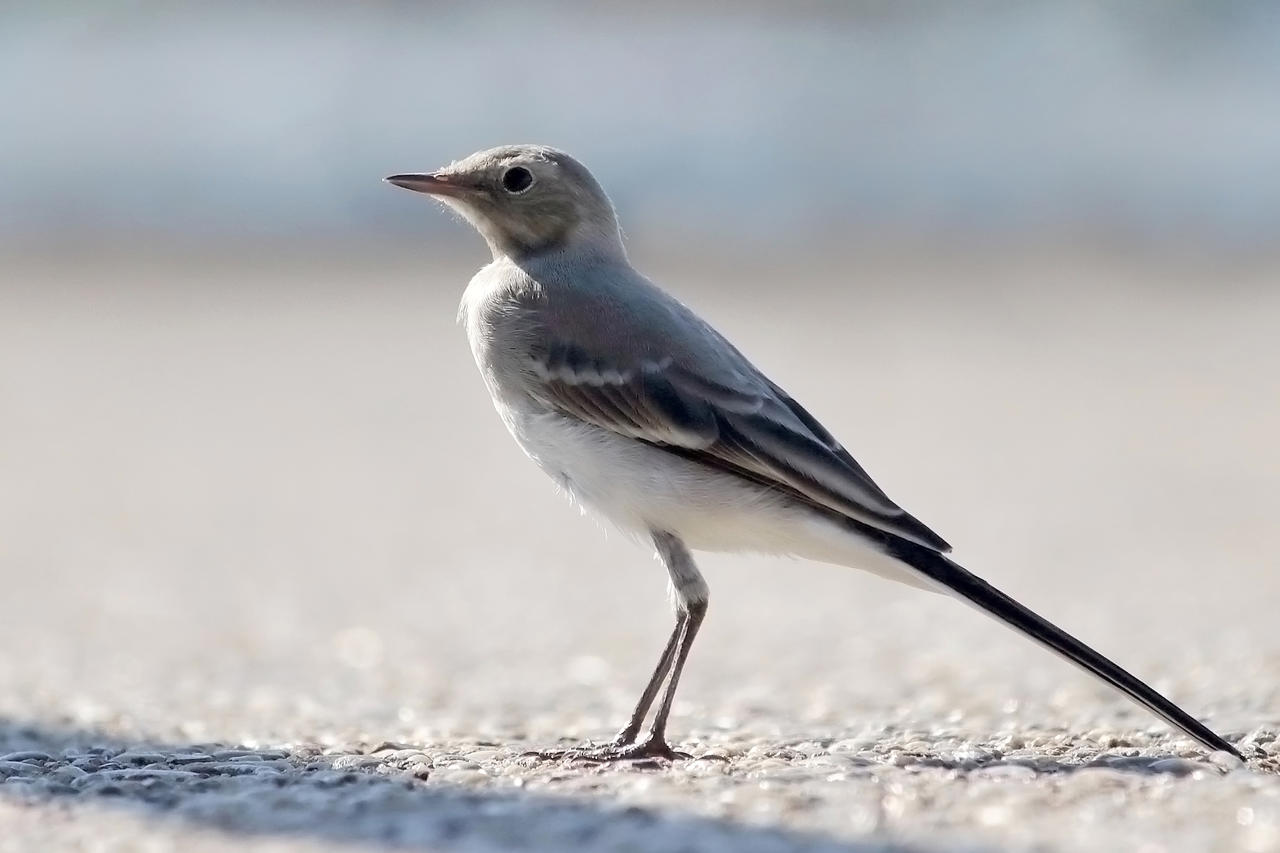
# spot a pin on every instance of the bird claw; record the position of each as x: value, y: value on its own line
x: 652, y: 752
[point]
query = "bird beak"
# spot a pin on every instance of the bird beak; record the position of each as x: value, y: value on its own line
x: 432, y: 183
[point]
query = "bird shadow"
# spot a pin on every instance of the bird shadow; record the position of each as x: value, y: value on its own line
x: 1141, y: 765
x: 395, y: 796
x: 388, y: 801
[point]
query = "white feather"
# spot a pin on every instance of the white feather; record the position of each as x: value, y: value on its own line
x: 640, y: 488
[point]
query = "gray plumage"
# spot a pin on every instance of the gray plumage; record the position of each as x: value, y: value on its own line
x: 646, y: 414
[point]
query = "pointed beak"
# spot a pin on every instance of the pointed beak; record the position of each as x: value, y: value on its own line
x: 433, y: 183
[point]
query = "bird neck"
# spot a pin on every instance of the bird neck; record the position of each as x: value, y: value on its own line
x: 584, y: 243
x: 569, y: 256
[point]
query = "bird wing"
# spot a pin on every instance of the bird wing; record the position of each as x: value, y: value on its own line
x: 738, y: 422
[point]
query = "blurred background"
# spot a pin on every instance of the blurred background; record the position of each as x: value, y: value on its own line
x: 193, y: 122
x: 1023, y: 261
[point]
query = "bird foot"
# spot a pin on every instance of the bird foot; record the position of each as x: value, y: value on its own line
x: 651, y: 751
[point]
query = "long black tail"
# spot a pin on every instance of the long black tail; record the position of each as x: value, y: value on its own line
x: 978, y: 592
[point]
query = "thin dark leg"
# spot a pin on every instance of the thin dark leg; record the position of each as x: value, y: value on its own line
x: 631, y: 730
x: 624, y: 742
x: 691, y: 606
x: 692, y: 622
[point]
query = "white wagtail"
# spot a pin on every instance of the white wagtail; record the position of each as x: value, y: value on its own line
x: 643, y: 412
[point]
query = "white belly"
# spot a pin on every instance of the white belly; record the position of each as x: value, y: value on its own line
x: 640, y: 488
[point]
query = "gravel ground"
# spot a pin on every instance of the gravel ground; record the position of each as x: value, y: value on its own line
x: 275, y: 579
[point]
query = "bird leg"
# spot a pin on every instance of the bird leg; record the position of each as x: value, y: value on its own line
x: 690, y: 592
x: 631, y: 730
x: 656, y: 743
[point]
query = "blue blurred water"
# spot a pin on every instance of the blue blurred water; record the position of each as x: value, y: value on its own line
x: 240, y: 119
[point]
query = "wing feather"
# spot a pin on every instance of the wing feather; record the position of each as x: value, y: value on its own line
x: 751, y: 429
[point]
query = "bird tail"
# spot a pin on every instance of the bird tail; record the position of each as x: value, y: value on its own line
x: 958, y: 581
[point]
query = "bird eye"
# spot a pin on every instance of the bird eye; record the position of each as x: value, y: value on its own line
x: 517, y: 179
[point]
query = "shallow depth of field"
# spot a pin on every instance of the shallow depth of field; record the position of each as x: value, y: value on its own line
x: 275, y: 578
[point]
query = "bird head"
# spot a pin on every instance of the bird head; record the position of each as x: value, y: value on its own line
x: 524, y: 200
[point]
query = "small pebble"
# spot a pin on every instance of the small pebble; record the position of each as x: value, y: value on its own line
x: 249, y: 754
x: 141, y: 758
x: 140, y: 774
x: 706, y: 767
x: 67, y: 773
x: 356, y: 762
x: 331, y: 778
x: 461, y: 777
x: 10, y: 769
x: 389, y: 745
x: 223, y: 768
x: 400, y: 755
x: 1006, y: 772
x: 1178, y: 766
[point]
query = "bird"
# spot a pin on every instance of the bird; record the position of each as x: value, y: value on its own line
x: 645, y: 414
